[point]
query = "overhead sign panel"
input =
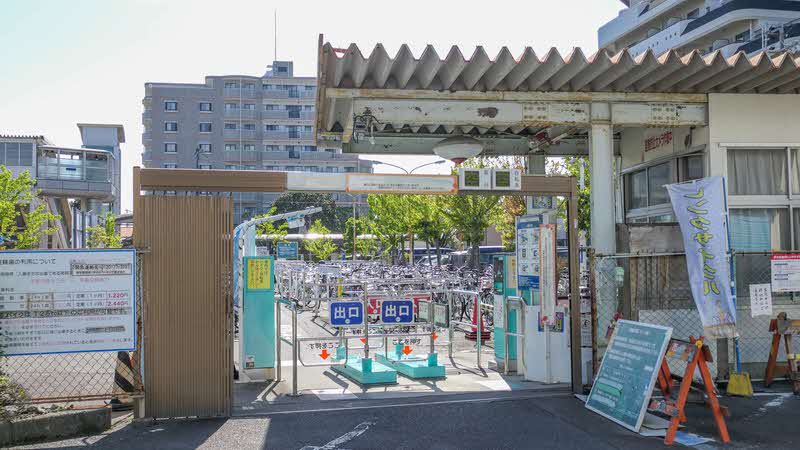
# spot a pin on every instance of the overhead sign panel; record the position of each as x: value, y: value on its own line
x: 627, y: 375
x: 401, y: 184
x: 67, y: 301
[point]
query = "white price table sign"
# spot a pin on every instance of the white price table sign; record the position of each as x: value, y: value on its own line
x: 67, y: 301
x: 785, y: 272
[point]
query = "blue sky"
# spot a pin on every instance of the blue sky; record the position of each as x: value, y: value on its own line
x: 64, y: 62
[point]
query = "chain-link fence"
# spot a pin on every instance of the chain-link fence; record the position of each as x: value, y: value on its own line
x: 655, y: 288
x: 70, y: 377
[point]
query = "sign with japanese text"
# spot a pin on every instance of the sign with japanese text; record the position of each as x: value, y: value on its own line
x: 397, y: 311
x: 259, y: 273
x: 528, y: 251
x: 627, y: 374
x: 287, y: 250
x: 699, y: 206
x: 761, y: 299
x: 657, y: 139
x: 785, y: 272
x: 401, y: 184
x: 547, y: 271
x: 58, y: 301
x: 347, y: 314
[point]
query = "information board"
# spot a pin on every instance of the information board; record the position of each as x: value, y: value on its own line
x: 628, y: 372
x: 67, y: 301
x: 287, y: 250
x: 785, y: 272
x: 528, y: 251
x: 259, y: 273
x: 384, y: 183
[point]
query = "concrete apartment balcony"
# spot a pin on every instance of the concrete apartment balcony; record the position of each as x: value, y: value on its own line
x: 270, y: 93
x: 239, y: 134
x: 288, y: 135
x: 239, y: 93
x: 669, y: 37
x: 288, y: 115
x: 630, y: 19
x: 241, y: 155
x: 283, y: 93
x: 240, y: 113
x: 276, y: 156
x: 327, y: 156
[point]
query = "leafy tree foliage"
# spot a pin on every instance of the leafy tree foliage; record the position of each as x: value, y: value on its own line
x: 296, y: 201
x: 21, y: 226
x: 105, y: 235
x: 277, y: 230
x: 366, y: 248
x: 571, y: 166
x: 321, y: 249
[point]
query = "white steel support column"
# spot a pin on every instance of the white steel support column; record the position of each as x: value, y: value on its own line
x: 601, y: 155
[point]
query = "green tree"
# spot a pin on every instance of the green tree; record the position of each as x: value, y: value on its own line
x: 434, y: 228
x: 322, y: 248
x: 363, y: 246
x: 296, y: 201
x: 21, y: 226
x: 471, y: 216
x: 390, y: 216
x: 276, y: 230
x: 571, y: 166
x: 105, y: 235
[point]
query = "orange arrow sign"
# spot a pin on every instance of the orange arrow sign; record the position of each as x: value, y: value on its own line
x: 407, y: 350
x: 363, y: 340
x: 324, y: 353
x: 435, y: 336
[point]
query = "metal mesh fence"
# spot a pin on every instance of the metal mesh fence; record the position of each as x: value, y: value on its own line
x: 68, y: 377
x: 655, y: 289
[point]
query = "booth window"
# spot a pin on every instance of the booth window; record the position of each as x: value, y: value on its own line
x: 757, y: 171
x: 646, y: 198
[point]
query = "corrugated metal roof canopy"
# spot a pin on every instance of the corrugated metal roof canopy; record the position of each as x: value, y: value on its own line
x: 601, y: 72
x: 501, y: 98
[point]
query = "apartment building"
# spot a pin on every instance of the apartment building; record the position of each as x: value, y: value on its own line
x: 730, y: 26
x: 79, y: 184
x: 241, y: 122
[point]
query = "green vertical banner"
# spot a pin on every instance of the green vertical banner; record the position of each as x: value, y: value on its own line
x: 258, y: 327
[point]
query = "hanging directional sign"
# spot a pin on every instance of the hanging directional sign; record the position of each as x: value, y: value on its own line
x: 347, y: 314
x: 397, y: 311
x: 295, y: 221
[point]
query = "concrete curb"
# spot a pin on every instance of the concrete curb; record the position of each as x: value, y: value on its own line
x: 56, y: 425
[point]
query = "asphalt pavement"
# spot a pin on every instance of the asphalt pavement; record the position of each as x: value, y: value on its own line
x: 476, y: 421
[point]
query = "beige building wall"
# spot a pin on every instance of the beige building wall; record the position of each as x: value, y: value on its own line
x: 750, y: 120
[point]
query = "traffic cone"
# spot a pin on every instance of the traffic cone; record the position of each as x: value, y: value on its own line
x: 124, y: 383
x: 473, y: 333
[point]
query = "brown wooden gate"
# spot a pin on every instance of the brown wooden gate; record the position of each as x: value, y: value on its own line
x: 187, y: 339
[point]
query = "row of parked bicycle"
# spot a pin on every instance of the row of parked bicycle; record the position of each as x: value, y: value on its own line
x: 311, y: 286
